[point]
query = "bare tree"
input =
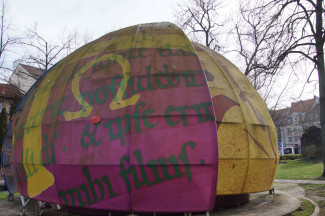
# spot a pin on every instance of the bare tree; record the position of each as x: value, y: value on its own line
x: 305, y: 25
x: 78, y: 39
x: 259, y: 40
x: 198, y: 18
x: 6, y: 39
x: 271, y: 35
x: 43, y: 52
x: 261, y: 44
x: 86, y: 37
x: 300, y: 24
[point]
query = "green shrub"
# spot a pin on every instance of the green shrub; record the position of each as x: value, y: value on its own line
x: 311, y: 152
x: 290, y: 157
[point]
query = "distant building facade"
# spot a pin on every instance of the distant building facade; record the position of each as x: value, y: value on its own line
x: 24, y: 77
x: 291, y: 122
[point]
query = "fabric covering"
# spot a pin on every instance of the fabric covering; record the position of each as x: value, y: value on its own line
x: 141, y: 120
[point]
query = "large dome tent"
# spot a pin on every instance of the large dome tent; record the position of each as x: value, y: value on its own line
x: 141, y: 120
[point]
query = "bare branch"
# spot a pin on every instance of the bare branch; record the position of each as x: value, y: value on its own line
x: 45, y: 53
x: 198, y: 19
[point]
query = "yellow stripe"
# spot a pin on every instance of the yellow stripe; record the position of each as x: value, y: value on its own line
x: 39, y: 178
x: 145, y: 41
x: 135, y: 41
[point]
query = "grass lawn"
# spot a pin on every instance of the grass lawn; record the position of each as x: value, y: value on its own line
x: 306, y: 208
x: 297, y: 169
x: 4, y: 195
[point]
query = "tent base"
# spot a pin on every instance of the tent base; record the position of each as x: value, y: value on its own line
x: 226, y: 201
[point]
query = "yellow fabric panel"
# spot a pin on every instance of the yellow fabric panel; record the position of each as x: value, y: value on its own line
x: 260, y: 175
x: 250, y: 94
x: 231, y: 176
x: 233, y: 142
x: 260, y: 134
x: 246, y: 133
x: 220, y: 79
x: 149, y: 41
x: 220, y: 85
x: 135, y: 37
x: 211, y: 59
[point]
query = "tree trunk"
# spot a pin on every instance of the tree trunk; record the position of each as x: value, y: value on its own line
x: 321, y: 73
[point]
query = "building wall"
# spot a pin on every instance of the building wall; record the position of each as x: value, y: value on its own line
x: 21, y: 79
x: 292, y: 137
x: 291, y: 125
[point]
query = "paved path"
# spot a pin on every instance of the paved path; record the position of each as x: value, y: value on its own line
x: 260, y: 204
x: 263, y: 204
x: 300, y: 181
x: 285, y: 200
x: 292, y: 187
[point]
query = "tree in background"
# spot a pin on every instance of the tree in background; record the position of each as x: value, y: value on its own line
x: 13, y: 105
x: 260, y: 46
x: 7, y: 40
x: 302, y: 22
x: 3, y: 126
x: 78, y: 39
x: 198, y: 18
x: 257, y: 40
x: 274, y: 34
x: 43, y: 52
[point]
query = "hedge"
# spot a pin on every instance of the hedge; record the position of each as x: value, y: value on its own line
x: 290, y: 157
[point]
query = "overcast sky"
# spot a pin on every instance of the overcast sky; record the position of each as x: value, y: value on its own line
x: 99, y: 17
x: 96, y: 16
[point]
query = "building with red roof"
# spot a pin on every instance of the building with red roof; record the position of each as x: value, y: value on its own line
x: 292, y: 121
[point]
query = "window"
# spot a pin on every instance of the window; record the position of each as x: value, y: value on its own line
x: 296, y: 139
x: 302, y: 116
x: 289, y: 139
x: 289, y: 130
x: 288, y: 151
x: 309, y: 117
